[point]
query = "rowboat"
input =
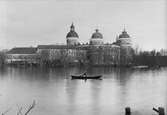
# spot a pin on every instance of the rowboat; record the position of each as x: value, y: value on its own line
x: 86, y: 77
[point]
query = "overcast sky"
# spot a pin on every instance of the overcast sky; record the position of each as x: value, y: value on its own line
x: 34, y: 22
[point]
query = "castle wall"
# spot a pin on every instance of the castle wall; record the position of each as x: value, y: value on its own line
x: 96, y: 41
x: 104, y: 55
x: 72, y: 41
x: 63, y: 55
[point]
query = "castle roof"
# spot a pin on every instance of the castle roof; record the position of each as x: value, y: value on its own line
x: 52, y: 46
x: 22, y: 50
x: 124, y: 34
x: 97, y: 34
x: 72, y: 32
x: 60, y: 47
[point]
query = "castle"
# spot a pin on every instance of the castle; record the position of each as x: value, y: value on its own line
x: 96, y: 52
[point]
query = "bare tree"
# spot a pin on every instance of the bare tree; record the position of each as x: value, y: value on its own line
x: 2, y: 58
x: 19, y: 112
x: 6, y: 111
x: 30, y: 108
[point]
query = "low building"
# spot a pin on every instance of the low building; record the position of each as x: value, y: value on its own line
x: 21, y: 55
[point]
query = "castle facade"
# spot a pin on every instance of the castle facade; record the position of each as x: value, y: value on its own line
x: 96, y: 52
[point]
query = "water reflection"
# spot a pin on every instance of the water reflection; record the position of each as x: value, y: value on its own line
x: 57, y: 94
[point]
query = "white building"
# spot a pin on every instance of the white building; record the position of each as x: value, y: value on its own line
x: 22, y: 55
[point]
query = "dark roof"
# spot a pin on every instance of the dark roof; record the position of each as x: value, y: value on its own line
x: 22, y: 50
x: 97, y: 34
x: 124, y: 34
x: 52, y: 46
x: 72, y: 34
x: 115, y: 43
x: 60, y: 47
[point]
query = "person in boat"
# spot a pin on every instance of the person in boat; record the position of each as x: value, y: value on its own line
x: 85, y: 75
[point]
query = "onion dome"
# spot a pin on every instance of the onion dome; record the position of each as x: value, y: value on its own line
x: 97, y: 34
x: 72, y: 32
x: 124, y: 34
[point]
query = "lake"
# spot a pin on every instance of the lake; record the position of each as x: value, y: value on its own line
x: 56, y: 94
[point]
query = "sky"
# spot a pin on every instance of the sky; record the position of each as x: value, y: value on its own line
x: 25, y: 23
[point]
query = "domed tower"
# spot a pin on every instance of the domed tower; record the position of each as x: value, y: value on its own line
x: 97, y: 38
x: 124, y: 39
x: 126, y: 50
x: 72, y: 36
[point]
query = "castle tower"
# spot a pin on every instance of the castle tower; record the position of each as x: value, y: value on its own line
x: 72, y: 36
x: 126, y: 51
x: 97, y: 38
x: 124, y: 39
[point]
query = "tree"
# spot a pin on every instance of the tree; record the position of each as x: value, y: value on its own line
x: 2, y: 58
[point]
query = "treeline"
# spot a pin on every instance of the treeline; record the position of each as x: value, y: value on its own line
x: 127, y: 57
x: 149, y: 58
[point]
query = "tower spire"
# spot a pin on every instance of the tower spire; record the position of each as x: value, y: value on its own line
x: 124, y: 29
x: 96, y: 30
x: 72, y: 27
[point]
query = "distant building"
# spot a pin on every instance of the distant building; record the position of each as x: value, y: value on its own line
x: 22, y: 55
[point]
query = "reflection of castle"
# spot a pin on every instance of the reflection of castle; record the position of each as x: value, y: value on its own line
x: 95, y: 53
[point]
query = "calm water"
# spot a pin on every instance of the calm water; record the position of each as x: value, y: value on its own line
x: 56, y: 94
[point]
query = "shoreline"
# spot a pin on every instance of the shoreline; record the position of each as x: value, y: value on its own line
x: 135, y: 67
